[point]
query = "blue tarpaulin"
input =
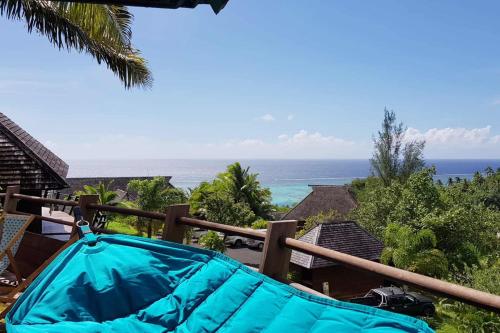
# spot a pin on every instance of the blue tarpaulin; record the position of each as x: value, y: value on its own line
x: 131, y: 284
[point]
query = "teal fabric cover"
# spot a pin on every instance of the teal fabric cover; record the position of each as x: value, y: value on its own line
x: 130, y: 284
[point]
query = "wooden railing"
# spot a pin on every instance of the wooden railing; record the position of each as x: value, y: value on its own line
x: 278, y: 240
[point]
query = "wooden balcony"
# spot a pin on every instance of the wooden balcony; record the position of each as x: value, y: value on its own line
x: 278, y: 240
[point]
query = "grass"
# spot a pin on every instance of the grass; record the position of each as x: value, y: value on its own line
x: 124, y: 225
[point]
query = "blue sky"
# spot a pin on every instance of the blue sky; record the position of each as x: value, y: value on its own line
x: 269, y: 79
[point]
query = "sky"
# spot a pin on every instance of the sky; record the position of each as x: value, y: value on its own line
x: 269, y: 79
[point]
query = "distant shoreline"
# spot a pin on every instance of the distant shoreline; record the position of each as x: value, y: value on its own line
x: 288, y: 180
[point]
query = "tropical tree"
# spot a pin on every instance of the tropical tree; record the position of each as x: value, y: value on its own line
x: 221, y: 209
x: 413, y: 250
x: 102, y: 31
x: 234, y: 197
x: 243, y: 186
x: 154, y: 195
x: 391, y: 160
x: 106, y: 196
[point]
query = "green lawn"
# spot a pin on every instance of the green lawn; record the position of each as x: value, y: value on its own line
x: 124, y: 225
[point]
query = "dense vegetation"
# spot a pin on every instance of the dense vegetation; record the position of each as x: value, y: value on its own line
x: 446, y: 231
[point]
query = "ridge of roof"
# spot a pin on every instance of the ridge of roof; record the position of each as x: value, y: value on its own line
x: 49, y: 161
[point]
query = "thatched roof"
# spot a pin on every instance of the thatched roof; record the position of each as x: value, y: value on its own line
x: 343, y: 236
x: 323, y: 199
x: 26, y: 162
x: 217, y: 5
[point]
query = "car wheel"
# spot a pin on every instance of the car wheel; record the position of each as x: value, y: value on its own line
x: 238, y: 243
x: 429, y: 310
x: 260, y: 246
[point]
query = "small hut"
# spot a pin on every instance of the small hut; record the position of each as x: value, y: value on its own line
x: 24, y: 161
x: 329, y: 278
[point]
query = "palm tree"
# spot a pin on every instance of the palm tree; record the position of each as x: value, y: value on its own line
x: 106, y: 196
x: 243, y: 186
x: 103, y: 31
x: 153, y: 195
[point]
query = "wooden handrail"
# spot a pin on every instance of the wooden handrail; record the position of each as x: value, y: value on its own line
x: 44, y: 200
x: 227, y: 229
x: 467, y: 295
x: 128, y: 211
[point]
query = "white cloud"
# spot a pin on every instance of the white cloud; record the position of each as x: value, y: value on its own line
x: 495, y: 139
x: 303, y: 137
x: 457, y: 142
x: 267, y: 117
x: 301, y: 144
x: 290, y: 117
x: 444, y: 136
x: 441, y: 143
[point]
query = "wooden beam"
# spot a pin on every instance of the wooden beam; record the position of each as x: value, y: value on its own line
x: 173, y: 231
x: 275, y: 256
x: 10, y: 203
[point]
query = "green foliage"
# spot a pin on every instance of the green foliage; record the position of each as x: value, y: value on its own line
x: 212, y: 241
x: 433, y: 228
x: 154, y: 195
x: 243, y: 186
x: 102, y: 31
x: 391, y: 160
x: 376, y: 206
x: 312, y: 221
x: 413, y: 250
x: 283, y: 208
x: 106, y: 196
x: 464, y: 227
x: 235, y: 197
x: 221, y: 209
x: 259, y: 224
x: 461, y: 318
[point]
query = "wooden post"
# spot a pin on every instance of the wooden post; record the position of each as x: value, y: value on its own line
x: 87, y: 213
x: 173, y: 231
x: 10, y: 204
x: 275, y: 256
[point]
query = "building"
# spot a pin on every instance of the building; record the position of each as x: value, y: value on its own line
x: 24, y: 161
x: 330, y: 278
x: 323, y: 199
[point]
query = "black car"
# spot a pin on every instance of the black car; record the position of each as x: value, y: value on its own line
x: 397, y: 300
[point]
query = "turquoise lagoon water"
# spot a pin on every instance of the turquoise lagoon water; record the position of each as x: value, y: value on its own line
x: 288, y: 180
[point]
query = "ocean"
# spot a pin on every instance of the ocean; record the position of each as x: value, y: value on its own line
x: 288, y: 180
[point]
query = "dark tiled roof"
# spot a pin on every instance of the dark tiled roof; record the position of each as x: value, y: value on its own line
x: 322, y: 199
x: 343, y: 236
x: 116, y: 183
x: 25, y: 161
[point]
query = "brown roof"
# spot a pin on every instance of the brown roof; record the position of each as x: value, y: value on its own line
x: 343, y: 236
x: 25, y: 161
x: 323, y: 199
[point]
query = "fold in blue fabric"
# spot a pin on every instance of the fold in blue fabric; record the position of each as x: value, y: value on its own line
x: 131, y: 284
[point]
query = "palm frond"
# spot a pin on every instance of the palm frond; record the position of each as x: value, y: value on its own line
x: 100, y: 30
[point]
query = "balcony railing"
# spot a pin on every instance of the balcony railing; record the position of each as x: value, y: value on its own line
x: 278, y: 240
